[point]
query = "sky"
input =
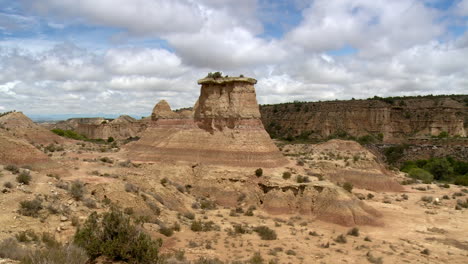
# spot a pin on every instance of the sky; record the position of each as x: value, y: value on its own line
x: 110, y: 57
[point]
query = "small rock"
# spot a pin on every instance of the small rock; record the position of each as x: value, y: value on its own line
x: 59, y: 229
x: 63, y: 218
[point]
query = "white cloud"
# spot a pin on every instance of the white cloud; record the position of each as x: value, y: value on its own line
x: 402, y: 47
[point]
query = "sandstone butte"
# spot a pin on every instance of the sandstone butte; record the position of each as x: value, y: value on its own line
x: 224, y: 128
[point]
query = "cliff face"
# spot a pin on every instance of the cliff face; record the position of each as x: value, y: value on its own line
x: 395, y: 120
x: 224, y: 129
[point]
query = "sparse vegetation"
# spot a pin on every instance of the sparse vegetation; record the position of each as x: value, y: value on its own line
x: 286, y: 175
x: 113, y: 235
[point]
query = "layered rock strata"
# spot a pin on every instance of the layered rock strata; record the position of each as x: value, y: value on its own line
x: 395, y: 119
x: 224, y: 128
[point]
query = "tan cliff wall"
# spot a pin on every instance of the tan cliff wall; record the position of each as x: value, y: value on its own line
x: 396, y: 120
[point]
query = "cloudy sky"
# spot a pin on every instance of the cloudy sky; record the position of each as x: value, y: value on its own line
x: 122, y: 56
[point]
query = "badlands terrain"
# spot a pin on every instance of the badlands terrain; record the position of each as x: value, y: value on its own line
x: 209, y: 185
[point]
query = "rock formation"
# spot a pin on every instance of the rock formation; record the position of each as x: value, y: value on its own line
x: 225, y: 129
x: 122, y: 127
x: 20, y: 126
x: 343, y: 161
x: 395, y: 119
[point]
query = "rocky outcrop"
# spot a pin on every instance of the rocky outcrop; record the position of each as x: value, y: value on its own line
x: 225, y: 129
x: 320, y: 200
x: 395, y: 119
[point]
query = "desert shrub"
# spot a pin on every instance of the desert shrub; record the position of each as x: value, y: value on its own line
x: 207, y: 204
x: 110, y: 139
x: 189, y: 215
x: 24, y: 177
x: 290, y: 252
x: 341, y: 239
x: 256, y: 259
x: 77, y: 190
x: 265, y: 233
x: 11, y: 249
x: 114, y: 236
x: 425, y: 251
x: 53, y: 209
x: 373, y: 259
x: 421, y: 174
x: 353, y: 232
x: 27, y: 236
x: 348, y: 186
x: 302, y: 179
x: 286, y: 175
x: 259, y: 172
x: 427, y: 199
x: 30, y: 207
x: 164, y: 181
x: 200, y: 226
x: 156, y: 210
x: 370, y: 196
x: 49, y: 240
x: 106, y: 160
x: 90, y: 203
x: 126, y: 164
x: 12, y: 168
x: 8, y: 185
x: 70, y: 254
x: 167, y: 231
x: 131, y: 187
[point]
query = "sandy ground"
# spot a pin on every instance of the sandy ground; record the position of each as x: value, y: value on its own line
x: 411, y: 227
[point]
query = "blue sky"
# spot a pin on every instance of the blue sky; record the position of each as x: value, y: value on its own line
x: 120, y: 56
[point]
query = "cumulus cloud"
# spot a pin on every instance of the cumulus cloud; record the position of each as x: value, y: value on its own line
x: 400, y: 47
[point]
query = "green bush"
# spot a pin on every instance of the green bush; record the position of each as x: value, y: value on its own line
x: 421, y: 174
x: 114, y: 236
x: 440, y: 168
x: 30, y: 208
x: 462, y: 180
x: 24, y: 177
x: 265, y: 233
x: 69, y: 134
x: 110, y: 139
